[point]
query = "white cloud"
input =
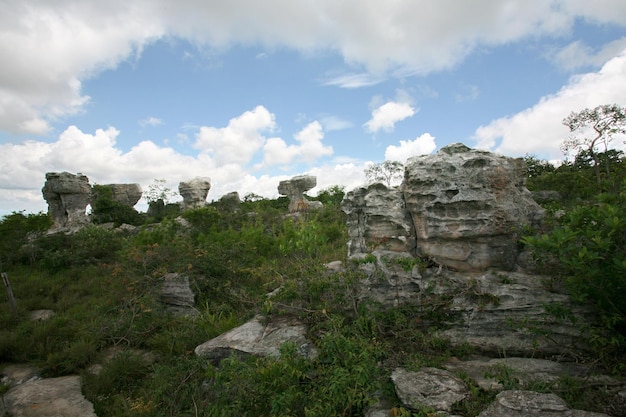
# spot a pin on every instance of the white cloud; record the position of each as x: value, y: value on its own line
x: 578, y: 55
x: 331, y: 123
x: 150, y: 121
x: 354, y: 80
x: 539, y: 130
x: 48, y: 49
x: 422, y: 145
x: 386, y: 116
x: 240, y: 140
x: 310, y: 148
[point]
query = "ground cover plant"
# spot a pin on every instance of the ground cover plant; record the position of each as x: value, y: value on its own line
x: 136, y: 359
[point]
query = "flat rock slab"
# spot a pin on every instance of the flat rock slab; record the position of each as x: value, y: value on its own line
x: 531, y: 404
x: 429, y: 387
x: 52, y: 397
x: 259, y: 336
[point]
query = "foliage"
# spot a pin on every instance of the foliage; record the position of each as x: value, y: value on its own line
x: 586, y: 249
x: 16, y: 229
x: 593, y: 130
x: 158, y: 190
x: 332, y: 195
x: 388, y: 172
x: 104, y: 209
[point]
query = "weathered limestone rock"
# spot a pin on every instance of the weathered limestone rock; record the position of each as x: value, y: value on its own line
x: 127, y: 194
x: 530, y: 404
x: 378, y: 219
x: 230, y: 201
x: 48, y: 397
x: 295, y: 189
x: 259, y: 337
x: 429, y: 387
x: 468, y: 207
x: 67, y: 196
x: 177, y: 295
x: 194, y: 192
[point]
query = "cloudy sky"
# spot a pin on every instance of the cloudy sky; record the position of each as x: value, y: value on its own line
x: 251, y: 92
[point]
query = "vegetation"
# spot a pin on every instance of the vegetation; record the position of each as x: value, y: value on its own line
x: 388, y: 172
x: 102, y: 284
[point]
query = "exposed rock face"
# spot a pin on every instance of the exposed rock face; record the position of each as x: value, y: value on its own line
x: 67, y: 196
x: 429, y: 387
x: 531, y: 404
x: 177, y: 295
x: 468, y: 206
x: 377, y: 219
x: 258, y: 337
x: 48, y: 397
x: 127, y: 194
x: 461, y: 208
x: 295, y: 189
x: 194, y: 192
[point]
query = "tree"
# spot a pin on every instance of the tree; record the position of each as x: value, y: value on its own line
x: 592, y: 132
x: 387, y: 172
x: 158, y: 191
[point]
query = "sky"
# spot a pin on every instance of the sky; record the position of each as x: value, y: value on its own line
x: 249, y: 93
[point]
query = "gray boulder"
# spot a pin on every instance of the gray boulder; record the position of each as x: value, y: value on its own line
x: 67, y: 196
x: 260, y: 336
x: 47, y: 398
x: 126, y: 194
x: 194, y: 192
x: 429, y: 387
x: 468, y: 207
x: 177, y: 295
x: 295, y: 189
x: 230, y: 201
x: 531, y: 404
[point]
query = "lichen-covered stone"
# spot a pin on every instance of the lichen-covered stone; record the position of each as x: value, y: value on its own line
x: 194, y: 192
x: 67, y: 196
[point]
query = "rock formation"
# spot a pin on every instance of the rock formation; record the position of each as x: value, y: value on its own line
x: 260, y: 336
x: 230, y: 201
x: 67, y: 196
x: 194, y: 192
x: 295, y: 189
x: 127, y: 194
x: 461, y: 208
x: 177, y: 295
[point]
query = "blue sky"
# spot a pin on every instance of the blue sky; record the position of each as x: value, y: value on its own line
x: 249, y: 93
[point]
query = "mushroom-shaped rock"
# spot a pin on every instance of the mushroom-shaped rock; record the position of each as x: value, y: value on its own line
x: 67, y: 196
x: 194, y: 192
x: 295, y: 189
x: 230, y: 201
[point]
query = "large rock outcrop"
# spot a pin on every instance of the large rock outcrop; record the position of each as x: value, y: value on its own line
x: 194, y: 192
x: 295, y: 189
x: 67, y: 196
x: 460, y: 208
x: 468, y: 207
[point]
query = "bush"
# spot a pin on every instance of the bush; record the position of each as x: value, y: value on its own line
x: 588, y: 249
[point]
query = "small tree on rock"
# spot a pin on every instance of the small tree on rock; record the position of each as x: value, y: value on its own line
x: 593, y: 130
x: 387, y: 172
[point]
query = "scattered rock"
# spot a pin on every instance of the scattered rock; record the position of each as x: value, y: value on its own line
x: 40, y: 315
x: 49, y: 397
x: 295, y: 189
x: 177, y: 295
x: 260, y: 336
x: 429, y: 387
x: 67, y: 196
x: 530, y: 404
x: 194, y: 192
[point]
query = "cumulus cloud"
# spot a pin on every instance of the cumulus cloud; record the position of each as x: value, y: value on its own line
x: 49, y: 48
x: 309, y: 149
x: 538, y: 129
x: 240, y: 140
x: 421, y: 145
x: 150, y: 121
x: 579, y: 55
x: 386, y: 116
